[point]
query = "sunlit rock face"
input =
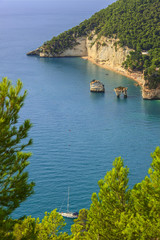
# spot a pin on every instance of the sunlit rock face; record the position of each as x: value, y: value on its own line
x: 106, y: 53
x: 150, y: 93
x: 96, y: 86
x: 121, y: 91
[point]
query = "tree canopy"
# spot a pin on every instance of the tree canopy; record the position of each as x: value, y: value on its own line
x: 14, y: 185
x: 50, y: 227
x: 134, y: 22
x: 116, y: 212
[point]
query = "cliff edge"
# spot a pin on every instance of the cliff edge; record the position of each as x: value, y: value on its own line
x: 124, y: 37
x: 104, y: 54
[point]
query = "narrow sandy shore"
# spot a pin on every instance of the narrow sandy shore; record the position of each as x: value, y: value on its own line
x: 138, y: 77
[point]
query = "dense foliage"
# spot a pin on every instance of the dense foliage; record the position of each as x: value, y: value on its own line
x: 49, y: 228
x: 67, y: 39
x: 14, y: 185
x: 116, y: 212
x: 136, y: 23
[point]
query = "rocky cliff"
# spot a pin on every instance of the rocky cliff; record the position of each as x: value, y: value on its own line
x: 79, y: 50
x: 150, y: 93
x: 106, y: 53
x: 108, y: 37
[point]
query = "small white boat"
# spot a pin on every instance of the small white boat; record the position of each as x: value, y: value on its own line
x: 69, y: 214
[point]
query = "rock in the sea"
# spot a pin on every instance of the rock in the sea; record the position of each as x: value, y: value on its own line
x: 151, y: 94
x: 34, y: 52
x: 121, y: 90
x: 96, y: 86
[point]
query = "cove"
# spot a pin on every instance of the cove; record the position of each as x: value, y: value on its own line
x: 76, y: 134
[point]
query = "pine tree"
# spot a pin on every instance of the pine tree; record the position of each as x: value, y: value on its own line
x: 26, y: 229
x: 79, y: 228
x: 14, y: 186
x: 143, y: 219
x: 51, y: 227
x: 106, y: 209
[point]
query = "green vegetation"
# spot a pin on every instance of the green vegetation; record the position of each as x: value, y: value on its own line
x: 67, y: 39
x: 49, y: 228
x: 14, y: 186
x: 116, y: 212
x: 136, y: 23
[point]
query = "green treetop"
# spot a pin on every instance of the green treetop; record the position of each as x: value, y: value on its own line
x: 50, y: 228
x: 143, y: 217
x: 79, y: 228
x: 14, y: 186
x: 134, y: 23
x: 106, y: 208
x: 116, y: 213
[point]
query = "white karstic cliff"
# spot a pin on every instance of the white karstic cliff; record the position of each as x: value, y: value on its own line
x: 104, y: 52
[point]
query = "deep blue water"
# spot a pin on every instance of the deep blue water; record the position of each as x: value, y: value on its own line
x: 77, y: 134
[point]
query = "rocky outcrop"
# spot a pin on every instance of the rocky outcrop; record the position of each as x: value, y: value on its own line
x: 34, y: 52
x: 106, y: 53
x: 121, y: 90
x: 79, y: 50
x: 150, y: 93
x: 96, y: 86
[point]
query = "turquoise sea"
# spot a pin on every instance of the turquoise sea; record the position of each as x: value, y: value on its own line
x: 76, y: 134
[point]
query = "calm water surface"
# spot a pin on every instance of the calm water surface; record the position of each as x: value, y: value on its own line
x: 77, y: 134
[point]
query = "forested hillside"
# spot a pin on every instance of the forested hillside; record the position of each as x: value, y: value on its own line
x: 136, y: 23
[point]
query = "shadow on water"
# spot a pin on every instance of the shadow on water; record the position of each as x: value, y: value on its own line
x: 121, y: 99
x: 151, y: 107
x: 121, y: 102
x: 97, y: 96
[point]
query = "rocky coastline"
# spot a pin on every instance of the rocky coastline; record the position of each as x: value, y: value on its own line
x: 106, y: 53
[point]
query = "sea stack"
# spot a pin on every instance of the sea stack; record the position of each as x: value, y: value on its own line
x: 121, y: 90
x: 96, y: 86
